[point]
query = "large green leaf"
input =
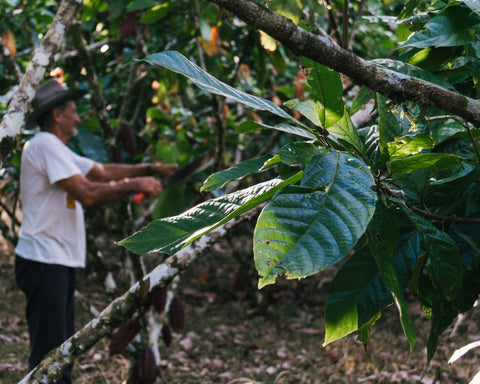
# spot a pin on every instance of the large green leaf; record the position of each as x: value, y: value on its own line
x: 357, y: 292
x: 445, y: 264
x: 306, y: 228
x: 252, y: 126
x: 447, y: 130
x: 409, y: 145
x: 388, y: 126
x: 238, y: 171
x: 354, y: 296
x: 291, y: 9
x: 299, y: 153
x: 443, y: 311
x: 347, y: 134
x: 423, y: 161
x: 140, y: 5
x: 383, y: 237
x: 408, y: 69
x: 310, y: 109
x: 327, y: 89
x: 178, y: 63
x: 454, y: 26
x: 371, y: 138
x: 171, y: 234
x: 453, y: 173
x: 155, y: 13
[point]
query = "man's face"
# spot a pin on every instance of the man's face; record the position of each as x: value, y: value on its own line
x: 69, y: 119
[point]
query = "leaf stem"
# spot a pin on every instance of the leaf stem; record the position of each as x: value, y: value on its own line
x: 433, y: 216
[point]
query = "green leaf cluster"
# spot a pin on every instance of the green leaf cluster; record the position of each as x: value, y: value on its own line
x: 347, y: 196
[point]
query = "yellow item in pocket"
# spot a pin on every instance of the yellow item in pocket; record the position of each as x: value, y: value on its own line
x: 70, y: 202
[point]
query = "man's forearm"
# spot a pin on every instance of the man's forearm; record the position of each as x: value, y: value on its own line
x: 113, y: 172
x: 105, y: 192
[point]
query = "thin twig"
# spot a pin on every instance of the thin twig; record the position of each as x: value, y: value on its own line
x: 131, y: 81
x: 333, y: 26
x: 345, y: 24
x: 355, y: 23
x: 97, y: 100
x: 474, y: 142
x: 444, y: 219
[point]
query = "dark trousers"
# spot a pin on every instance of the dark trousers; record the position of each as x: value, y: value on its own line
x: 49, y: 292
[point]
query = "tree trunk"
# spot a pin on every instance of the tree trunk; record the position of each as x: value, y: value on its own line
x: 12, y: 122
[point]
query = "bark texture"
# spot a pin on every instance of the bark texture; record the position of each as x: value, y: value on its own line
x: 14, y: 117
x: 322, y: 49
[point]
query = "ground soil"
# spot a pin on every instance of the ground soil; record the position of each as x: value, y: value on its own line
x: 236, y: 334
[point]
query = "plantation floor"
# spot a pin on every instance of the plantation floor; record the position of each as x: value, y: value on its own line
x: 269, y: 336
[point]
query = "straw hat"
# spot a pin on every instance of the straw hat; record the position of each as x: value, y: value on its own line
x: 49, y: 95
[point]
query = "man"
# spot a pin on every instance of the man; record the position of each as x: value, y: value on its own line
x: 54, y: 185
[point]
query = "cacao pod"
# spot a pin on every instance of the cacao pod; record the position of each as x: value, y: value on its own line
x: 167, y: 335
x: 116, y: 155
x: 123, y: 335
x: 133, y: 376
x: 239, y: 282
x: 147, y: 368
x: 127, y: 137
x: 143, y: 289
x: 176, y: 314
x: 158, y: 299
x: 129, y: 25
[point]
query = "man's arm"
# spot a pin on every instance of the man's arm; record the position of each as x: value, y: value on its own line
x: 89, y: 192
x: 112, y: 171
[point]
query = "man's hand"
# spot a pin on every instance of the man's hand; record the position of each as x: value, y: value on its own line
x: 163, y: 169
x: 149, y: 186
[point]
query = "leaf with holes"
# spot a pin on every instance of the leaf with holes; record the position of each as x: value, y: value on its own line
x: 310, y: 227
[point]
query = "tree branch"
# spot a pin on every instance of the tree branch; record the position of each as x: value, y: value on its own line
x: 322, y: 49
x: 345, y: 25
x: 132, y: 78
x: 14, y: 117
x: 97, y: 101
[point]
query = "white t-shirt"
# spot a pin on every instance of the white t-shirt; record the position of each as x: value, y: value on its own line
x: 53, y: 228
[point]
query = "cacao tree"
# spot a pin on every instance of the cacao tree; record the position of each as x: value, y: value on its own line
x: 391, y: 198
x: 377, y: 199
